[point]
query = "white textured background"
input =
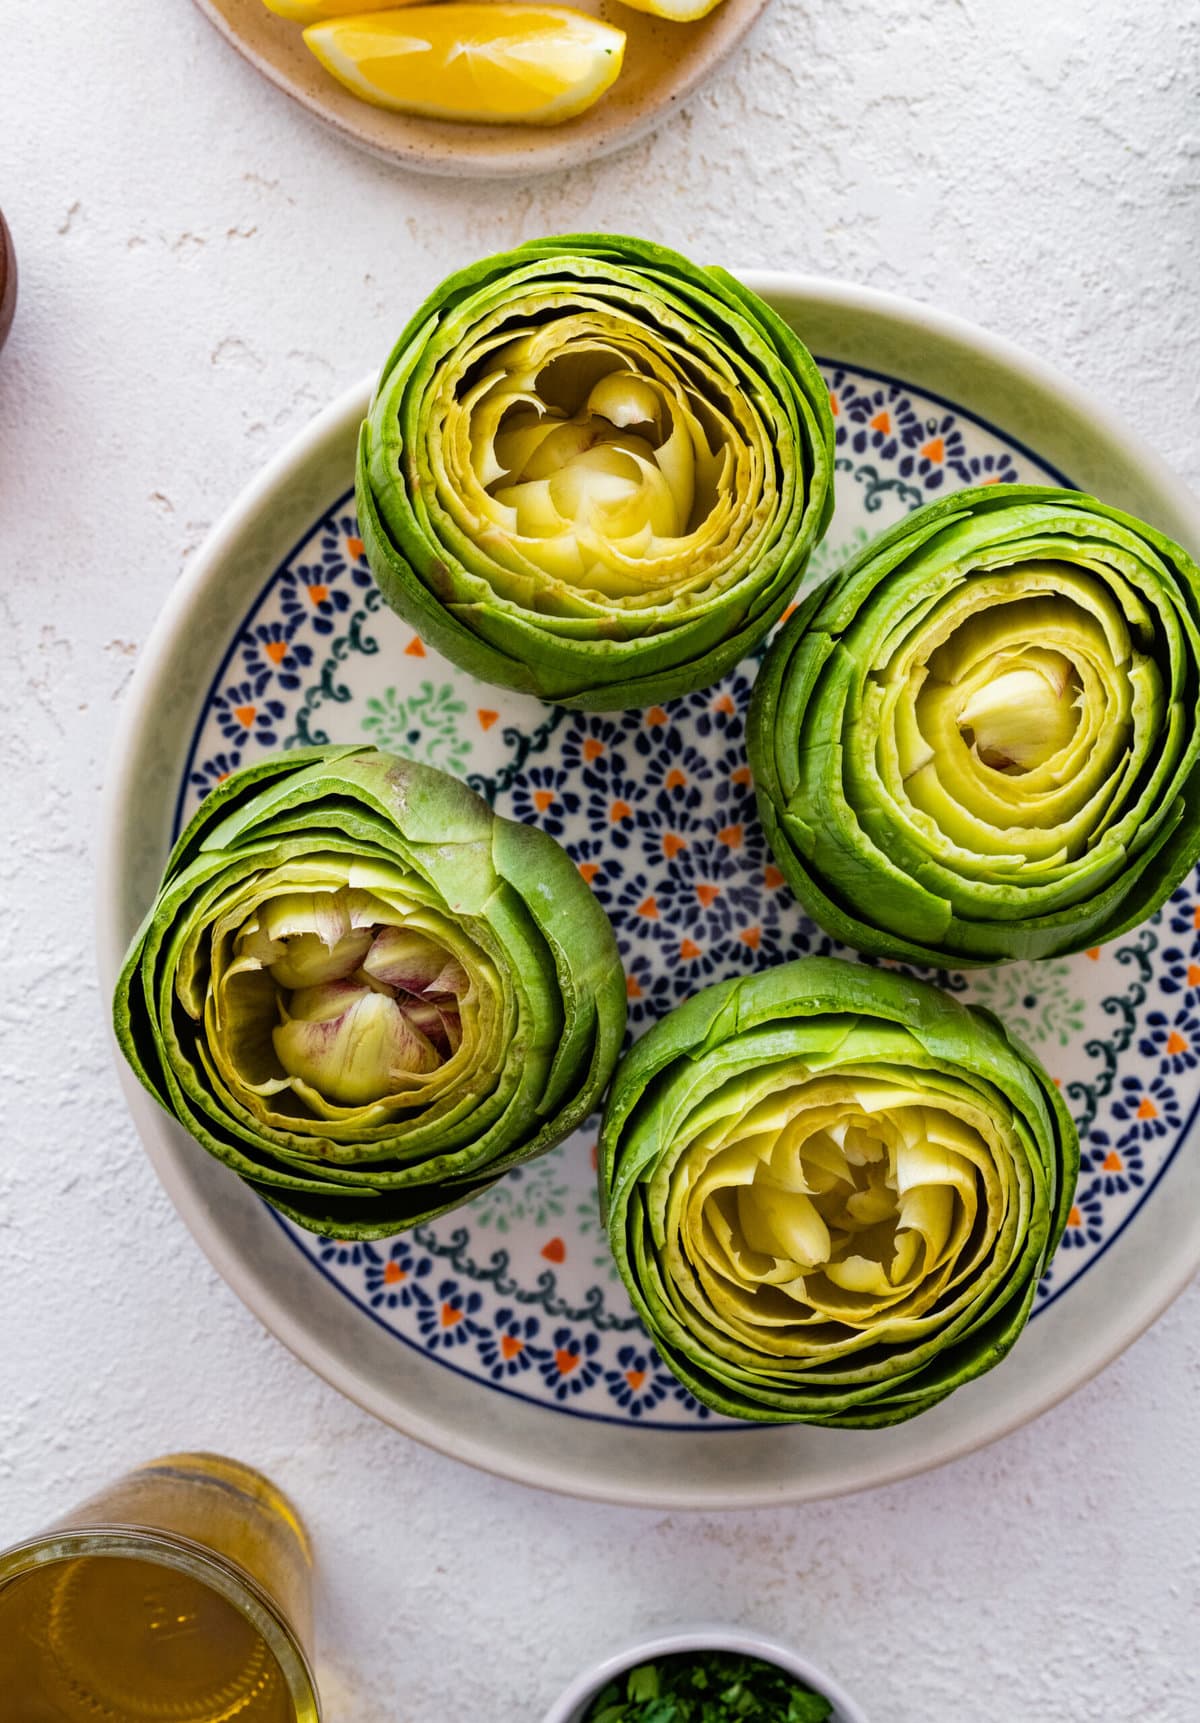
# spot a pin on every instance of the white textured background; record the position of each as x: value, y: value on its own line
x: 202, y: 268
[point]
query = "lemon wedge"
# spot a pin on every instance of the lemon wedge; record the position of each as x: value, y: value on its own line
x: 678, y: 11
x: 312, y: 11
x: 497, y: 62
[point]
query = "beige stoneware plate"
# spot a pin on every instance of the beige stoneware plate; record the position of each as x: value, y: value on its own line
x: 664, y: 64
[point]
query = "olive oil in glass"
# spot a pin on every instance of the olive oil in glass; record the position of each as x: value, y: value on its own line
x: 178, y: 1595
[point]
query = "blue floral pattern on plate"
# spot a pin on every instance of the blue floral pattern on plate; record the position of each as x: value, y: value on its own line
x: 656, y: 808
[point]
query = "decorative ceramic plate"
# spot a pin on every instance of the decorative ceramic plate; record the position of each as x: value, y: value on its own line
x: 664, y: 64
x: 501, y: 1333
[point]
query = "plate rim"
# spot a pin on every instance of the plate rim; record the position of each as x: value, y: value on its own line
x: 541, y: 149
x: 1149, y: 1299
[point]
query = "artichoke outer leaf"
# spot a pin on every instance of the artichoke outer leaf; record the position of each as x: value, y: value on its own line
x: 587, y: 962
x: 409, y: 587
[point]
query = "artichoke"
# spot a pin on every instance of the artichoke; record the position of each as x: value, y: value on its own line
x: 594, y: 471
x: 979, y: 741
x: 831, y: 1191
x: 367, y: 993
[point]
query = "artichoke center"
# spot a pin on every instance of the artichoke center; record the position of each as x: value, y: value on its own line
x: 844, y: 1205
x: 1022, y: 711
x: 596, y: 454
x: 364, y: 1006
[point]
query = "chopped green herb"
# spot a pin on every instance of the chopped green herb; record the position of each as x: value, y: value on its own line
x: 707, y: 1687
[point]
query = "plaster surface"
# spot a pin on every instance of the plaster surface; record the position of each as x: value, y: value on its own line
x: 202, y: 268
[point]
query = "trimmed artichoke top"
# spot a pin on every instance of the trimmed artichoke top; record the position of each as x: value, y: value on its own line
x: 831, y: 1192
x: 979, y: 741
x: 366, y: 992
x: 594, y: 471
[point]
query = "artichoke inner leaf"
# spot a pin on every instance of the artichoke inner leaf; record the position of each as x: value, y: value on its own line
x: 1024, y: 714
x: 349, y: 1044
x: 358, y: 1009
x: 565, y: 467
x: 833, y: 1203
x: 1010, y: 729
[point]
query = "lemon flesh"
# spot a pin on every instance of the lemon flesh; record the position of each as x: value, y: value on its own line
x: 532, y: 65
x: 678, y: 11
x: 313, y: 11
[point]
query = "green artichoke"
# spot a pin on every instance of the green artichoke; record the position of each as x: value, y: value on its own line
x: 979, y: 741
x: 831, y: 1192
x: 367, y: 993
x: 594, y: 471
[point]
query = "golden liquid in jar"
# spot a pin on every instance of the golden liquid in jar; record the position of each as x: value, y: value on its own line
x: 115, y: 1639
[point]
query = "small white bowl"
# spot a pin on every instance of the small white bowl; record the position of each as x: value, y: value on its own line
x: 570, y: 1706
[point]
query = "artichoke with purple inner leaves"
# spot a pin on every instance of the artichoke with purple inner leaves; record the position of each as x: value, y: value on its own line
x: 368, y: 994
